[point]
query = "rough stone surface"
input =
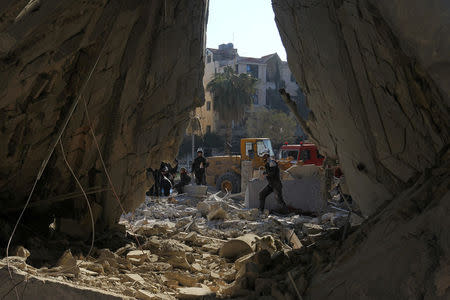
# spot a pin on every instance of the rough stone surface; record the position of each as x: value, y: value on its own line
x: 374, y: 106
x: 377, y: 83
x: 148, y: 78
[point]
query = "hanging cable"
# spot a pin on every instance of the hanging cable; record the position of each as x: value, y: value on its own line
x: 49, y: 155
x: 84, y: 194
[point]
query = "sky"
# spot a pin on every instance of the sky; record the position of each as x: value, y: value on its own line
x: 248, y: 24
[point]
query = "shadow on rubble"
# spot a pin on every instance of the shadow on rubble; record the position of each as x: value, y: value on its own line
x: 47, y: 247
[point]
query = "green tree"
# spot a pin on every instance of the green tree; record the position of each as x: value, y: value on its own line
x: 279, y: 126
x: 232, y: 94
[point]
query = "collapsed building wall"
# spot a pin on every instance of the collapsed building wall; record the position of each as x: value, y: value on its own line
x: 147, y: 80
x: 376, y: 76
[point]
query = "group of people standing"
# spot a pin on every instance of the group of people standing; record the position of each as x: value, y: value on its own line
x: 164, y: 177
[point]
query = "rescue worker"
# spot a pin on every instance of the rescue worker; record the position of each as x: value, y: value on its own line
x: 155, y: 190
x: 272, y: 173
x: 185, y: 179
x: 199, y: 168
x: 166, y: 184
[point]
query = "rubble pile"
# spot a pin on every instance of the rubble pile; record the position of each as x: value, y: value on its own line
x: 188, y: 248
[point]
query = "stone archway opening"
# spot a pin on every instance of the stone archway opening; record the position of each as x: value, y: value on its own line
x: 379, y: 101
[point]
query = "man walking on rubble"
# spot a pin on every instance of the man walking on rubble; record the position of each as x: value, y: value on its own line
x: 199, y: 168
x: 272, y: 174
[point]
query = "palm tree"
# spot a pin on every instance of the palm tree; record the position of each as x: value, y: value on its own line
x: 232, y: 94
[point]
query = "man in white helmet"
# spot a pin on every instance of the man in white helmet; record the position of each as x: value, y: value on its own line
x: 272, y: 174
x: 199, y: 168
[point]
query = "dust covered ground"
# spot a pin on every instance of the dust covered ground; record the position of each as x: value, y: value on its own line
x: 184, y: 247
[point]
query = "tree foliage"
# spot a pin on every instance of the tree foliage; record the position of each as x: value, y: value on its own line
x: 279, y: 126
x: 232, y: 94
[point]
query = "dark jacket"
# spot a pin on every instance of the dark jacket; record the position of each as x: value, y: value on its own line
x: 272, y: 171
x: 185, y: 179
x: 196, y: 164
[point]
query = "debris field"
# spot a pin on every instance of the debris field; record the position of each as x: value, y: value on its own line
x: 186, y: 248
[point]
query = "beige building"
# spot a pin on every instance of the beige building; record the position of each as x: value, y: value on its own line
x: 272, y: 73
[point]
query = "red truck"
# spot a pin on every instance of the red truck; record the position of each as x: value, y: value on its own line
x: 304, y: 154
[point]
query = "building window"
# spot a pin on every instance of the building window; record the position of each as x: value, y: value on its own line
x: 305, y: 155
x: 208, y: 128
x: 208, y: 59
x: 292, y: 154
x: 208, y: 105
x: 253, y: 70
x: 292, y: 78
x: 237, y: 69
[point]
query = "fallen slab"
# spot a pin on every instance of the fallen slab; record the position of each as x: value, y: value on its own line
x: 31, y: 287
x: 197, y: 191
x: 238, y: 247
x: 305, y: 194
x: 194, y: 292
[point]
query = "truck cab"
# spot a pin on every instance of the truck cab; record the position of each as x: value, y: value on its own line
x: 224, y: 172
x: 252, y: 149
x: 304, y: 154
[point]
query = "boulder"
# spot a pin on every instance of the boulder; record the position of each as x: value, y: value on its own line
x: 217, y: 214
x: 203, y: 208
x: 21, y: 252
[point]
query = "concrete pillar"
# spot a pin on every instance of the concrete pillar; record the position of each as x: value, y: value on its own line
x: 246, y: 173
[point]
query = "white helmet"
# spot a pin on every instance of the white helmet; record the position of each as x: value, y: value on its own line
x: 265, y: 152
x: 200, y: 150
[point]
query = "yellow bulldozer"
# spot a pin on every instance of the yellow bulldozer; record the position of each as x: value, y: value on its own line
x: 224, y: 172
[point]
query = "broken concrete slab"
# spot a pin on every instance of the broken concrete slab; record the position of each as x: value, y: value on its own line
x: 193, y: 292
x: 196, y: 191
x: 68, y: 263
x: 309, y: 228
x: 92, y: 266
x: 183, y: 278
x: 179, y: 262
x: 30, y: 287
x: 131, y: 277
x: 305, y: 194
x: 293, y: 240
x: 139, y: 255
x: 238, y: 247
